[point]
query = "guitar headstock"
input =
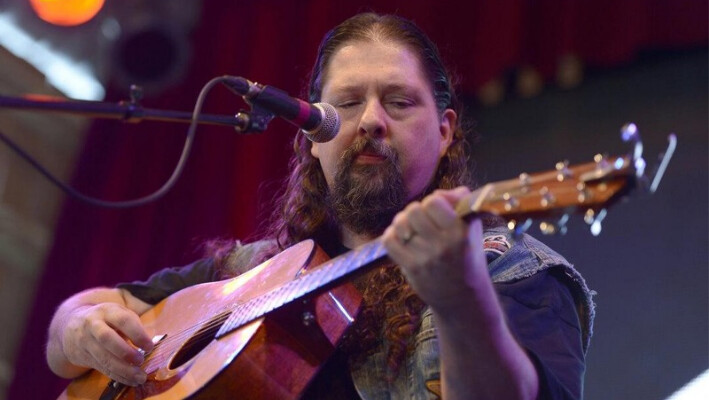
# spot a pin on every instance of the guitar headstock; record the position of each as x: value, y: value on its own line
x: 552, y: 196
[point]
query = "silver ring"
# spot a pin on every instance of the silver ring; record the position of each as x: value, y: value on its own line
x: 407, y: 236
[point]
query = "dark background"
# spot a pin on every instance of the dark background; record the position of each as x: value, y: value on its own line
x: 645, y: 61
x: 649, y: 265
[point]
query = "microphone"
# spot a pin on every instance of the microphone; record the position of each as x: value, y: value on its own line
x: 319, y: 122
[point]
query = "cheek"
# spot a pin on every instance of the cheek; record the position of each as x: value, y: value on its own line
x: 420, y: 157
x: 327, y: 156
x: 419, y: 166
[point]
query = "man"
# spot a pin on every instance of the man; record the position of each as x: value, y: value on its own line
x: 433, y: 321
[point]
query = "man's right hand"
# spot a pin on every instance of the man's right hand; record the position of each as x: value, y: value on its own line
x: 99, y: 329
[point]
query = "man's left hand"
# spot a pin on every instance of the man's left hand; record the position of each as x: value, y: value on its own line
x: 440, y: 255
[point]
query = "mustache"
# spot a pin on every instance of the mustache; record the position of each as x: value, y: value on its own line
x: 369, y: 146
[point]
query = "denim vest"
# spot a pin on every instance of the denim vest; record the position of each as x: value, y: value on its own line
x: 419, y: 377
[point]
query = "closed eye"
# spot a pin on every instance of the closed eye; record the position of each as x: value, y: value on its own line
x: 401, y: 104
x: 347, y: 104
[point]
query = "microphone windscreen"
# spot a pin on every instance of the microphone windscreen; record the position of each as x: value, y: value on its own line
x: 329, y: 125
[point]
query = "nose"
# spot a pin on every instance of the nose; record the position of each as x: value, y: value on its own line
x: 373, y: 119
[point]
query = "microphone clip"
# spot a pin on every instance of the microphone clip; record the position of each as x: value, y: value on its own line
x: 254, y: 121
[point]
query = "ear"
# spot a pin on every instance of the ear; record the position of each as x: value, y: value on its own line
x: 314, y: 149
x: 449, y: 122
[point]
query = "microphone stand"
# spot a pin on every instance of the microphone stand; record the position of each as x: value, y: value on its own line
x: 133, y: 112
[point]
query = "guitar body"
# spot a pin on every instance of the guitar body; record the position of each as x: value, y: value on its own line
x: 273, y: 357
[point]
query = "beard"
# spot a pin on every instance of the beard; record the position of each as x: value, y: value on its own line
x: 366, y: 197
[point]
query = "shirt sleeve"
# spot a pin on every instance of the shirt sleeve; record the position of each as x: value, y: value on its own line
x: 170, y: 280
x: 541, y: 313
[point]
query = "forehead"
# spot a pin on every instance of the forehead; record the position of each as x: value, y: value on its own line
x: 359, y: 63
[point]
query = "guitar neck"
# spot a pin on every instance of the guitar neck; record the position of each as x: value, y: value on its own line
x: 305, y: 284
x: 580, y: 188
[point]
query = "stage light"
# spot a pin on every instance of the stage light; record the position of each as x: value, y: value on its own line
x: 71, y: 77
x: 143, y: 42
x: 66, y: 12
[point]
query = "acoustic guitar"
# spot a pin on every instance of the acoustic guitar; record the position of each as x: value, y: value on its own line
x: 264, y: 334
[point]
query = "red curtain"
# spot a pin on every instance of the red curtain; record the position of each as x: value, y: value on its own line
x: 229, y: 179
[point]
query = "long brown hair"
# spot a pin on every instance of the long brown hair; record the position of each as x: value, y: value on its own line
x: 303, y: 211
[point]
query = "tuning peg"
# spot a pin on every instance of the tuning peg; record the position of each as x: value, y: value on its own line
x: 511, y: 202
x: 562, y: 224
x: 629, y: 133
x: 553, y: 228
x: 563, y: 172
x: 589, y: 216
x: 524, y: 181
x: 548, y: 228
x: 666, y: 156
x: 601, y: 161
x: 583, y: 193
x: 518, y: 229
x: 593, y: 219
x: 547, y: 197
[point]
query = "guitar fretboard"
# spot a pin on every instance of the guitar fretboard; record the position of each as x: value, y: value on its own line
x: 307, y: 283
x: 581, y: 188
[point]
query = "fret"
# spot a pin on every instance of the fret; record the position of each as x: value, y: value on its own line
x: 376, y: 250
x: 330, y: 270
x: 254, y: 308
x: 545, y: 194
x: 304, y: 284
x: 299, y: 287
x: 290, y: 290
x: 362, y: 256
x: 240, y: 312
x: 372, y: 251
x: 341, y: 263
x: 317, y: 277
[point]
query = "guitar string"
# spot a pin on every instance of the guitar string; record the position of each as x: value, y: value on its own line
x: 294, y: 289
x: 237, y: 315
x: 205, y: 331
x: 245, y: 309
x: 242, y: 313
x: 234, y: 316
x: 245, y: 312
x: 561, y: 191
x: 537, y: 178
x: 322, y: 275
x: 251, y: 308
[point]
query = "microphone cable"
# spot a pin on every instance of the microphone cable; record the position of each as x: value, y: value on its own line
x: 189, y: 139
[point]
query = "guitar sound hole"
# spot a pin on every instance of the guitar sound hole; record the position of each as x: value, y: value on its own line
x: 195, y: 344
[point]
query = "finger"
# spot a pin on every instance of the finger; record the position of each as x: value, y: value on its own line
x: 453, y: 196
x: 128, y: 323
x: 113, y: 367
x: 397, y: 250
x: 440, y: 211
x: 400, y: 229
x: 422, y: 223
x: 109, y: 339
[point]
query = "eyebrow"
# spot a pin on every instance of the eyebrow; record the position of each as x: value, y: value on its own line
x: 388, y: 87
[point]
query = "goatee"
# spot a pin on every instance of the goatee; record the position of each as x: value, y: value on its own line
x: 366, y: 197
